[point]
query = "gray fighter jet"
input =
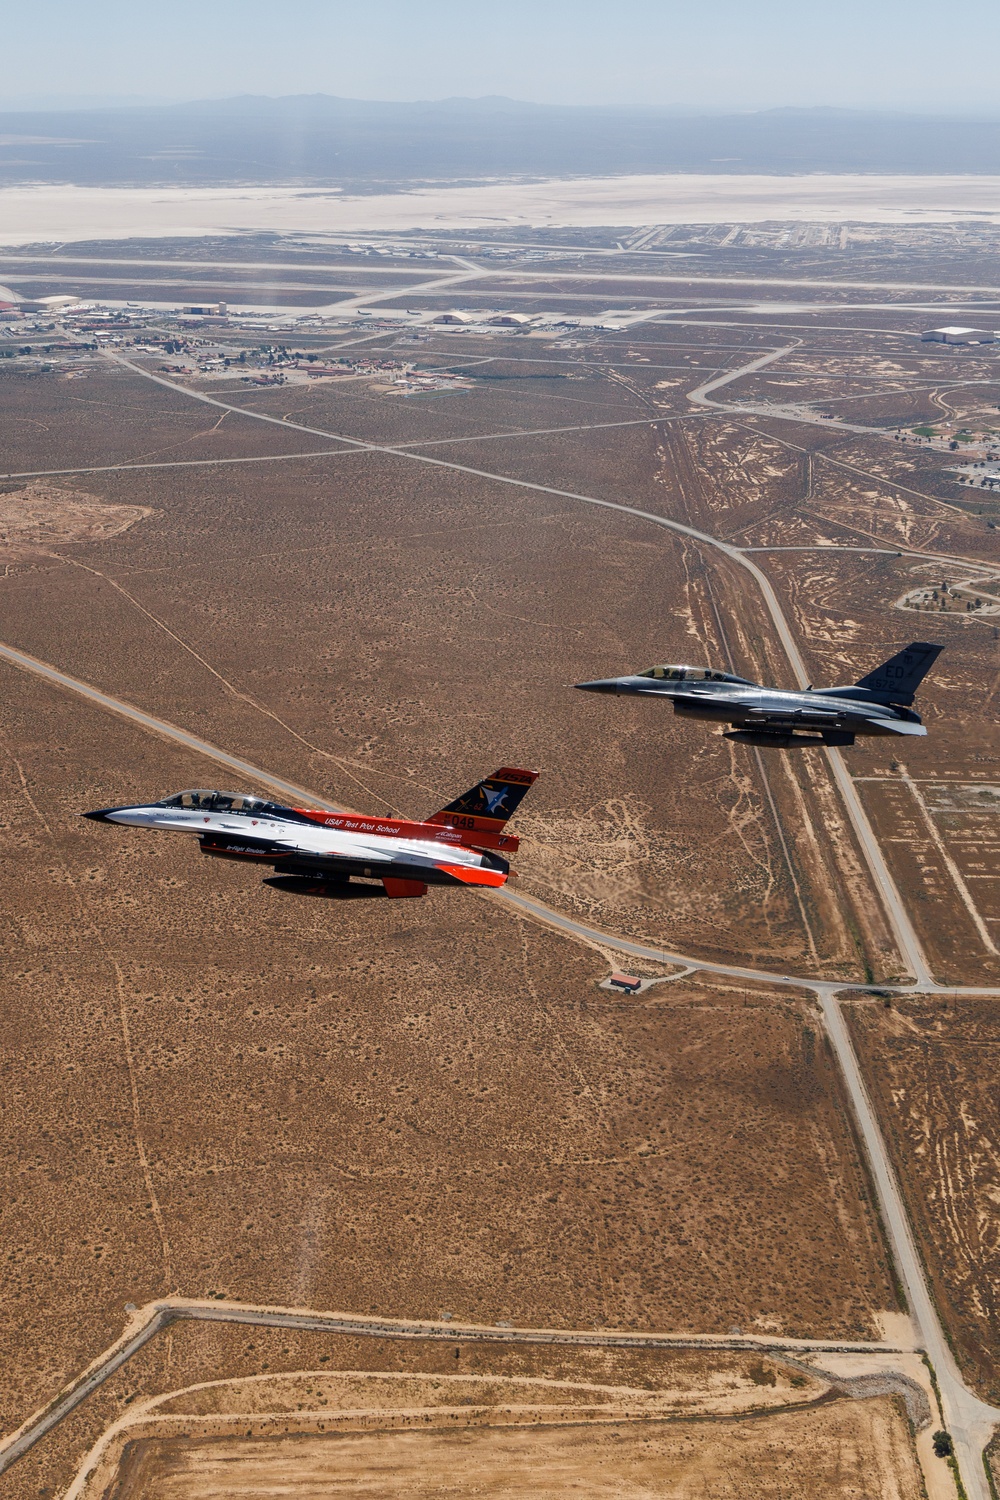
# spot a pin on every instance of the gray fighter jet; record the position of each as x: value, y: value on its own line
x: 779, y: 719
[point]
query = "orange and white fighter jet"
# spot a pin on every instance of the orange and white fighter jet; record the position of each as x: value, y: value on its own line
x: 318, y: 853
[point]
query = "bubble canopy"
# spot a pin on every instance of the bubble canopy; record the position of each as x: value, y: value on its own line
x: 693, y: 674
x: 197, y: 799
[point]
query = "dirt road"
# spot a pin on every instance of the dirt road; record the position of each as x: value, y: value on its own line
x: 147, y: 1322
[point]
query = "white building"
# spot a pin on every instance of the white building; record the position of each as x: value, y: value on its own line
x: 958, y: 336
x: 48, y: 304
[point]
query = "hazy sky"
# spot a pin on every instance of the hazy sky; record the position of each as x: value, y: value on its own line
x: 699, y: 54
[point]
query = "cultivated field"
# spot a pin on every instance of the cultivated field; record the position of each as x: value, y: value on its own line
x: 372, y: 1415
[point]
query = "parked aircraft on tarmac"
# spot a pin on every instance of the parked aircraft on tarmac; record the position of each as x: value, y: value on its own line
x: 775, y: 717
x: 316, y: 853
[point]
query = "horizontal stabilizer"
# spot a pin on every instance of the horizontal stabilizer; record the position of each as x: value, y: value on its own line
x: 897, y: 726
x: 475, y: 874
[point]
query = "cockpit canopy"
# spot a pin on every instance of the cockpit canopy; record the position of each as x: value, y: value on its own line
x: 198, y: 800
x: 693, y: 674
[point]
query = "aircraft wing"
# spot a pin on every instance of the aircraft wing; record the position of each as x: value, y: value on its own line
x: 221, y: 833
x: 898, y: 726
x: 794, y: 717
x: 285, y: 848
x: 406, y: 857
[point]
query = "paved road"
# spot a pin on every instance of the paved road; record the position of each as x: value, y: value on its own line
x: 970, y: 1421
x: 30, y: 1432
x: 527, y: 905
x: 962, y: 1407
x: 700, y: 394
x: 424, y: 287
x: 349, y: 263
x: 903, y: 931
x: 182, y: 285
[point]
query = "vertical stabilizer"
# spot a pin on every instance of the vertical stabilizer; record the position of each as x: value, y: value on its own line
x: 486, y: 807
x: 897, y: 679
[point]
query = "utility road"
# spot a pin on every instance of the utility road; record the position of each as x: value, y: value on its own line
x: 969, y: 1418
x: 970, y: 1421
x: 526, y: 905
x: 160, y: 726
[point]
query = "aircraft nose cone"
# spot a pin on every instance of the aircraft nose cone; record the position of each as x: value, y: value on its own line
x: 100, y: 815
x: 602, y: 685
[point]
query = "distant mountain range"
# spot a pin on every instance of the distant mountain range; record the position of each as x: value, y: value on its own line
x: 317, y: 139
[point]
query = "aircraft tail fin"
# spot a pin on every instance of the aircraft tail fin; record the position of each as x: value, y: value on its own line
x: 485, y: 807
x: 897, y: 680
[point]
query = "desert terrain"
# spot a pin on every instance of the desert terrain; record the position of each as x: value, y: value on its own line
x: 377, y: 588
x: 930, y: 1066
x: 396, y: 1116
x: 867, y: 1444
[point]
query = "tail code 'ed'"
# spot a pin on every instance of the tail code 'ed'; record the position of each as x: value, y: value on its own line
x: 898, y: 678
